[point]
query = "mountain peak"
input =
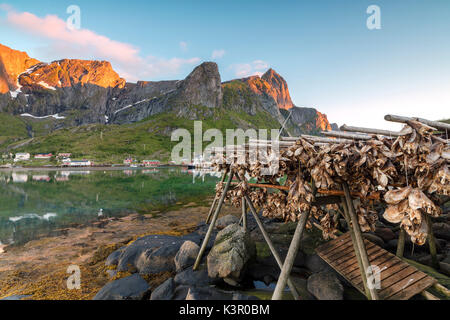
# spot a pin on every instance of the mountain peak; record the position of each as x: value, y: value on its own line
x: 203, y: 86
x: 273, y: 85
x: 12, y: 64
x: 69, y: 72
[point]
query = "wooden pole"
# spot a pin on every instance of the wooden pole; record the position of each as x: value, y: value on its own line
x: 355, y: 246
x: 432, y: 243
x: 372, y: 196
x: 401, y: 243
x: 213, y: 222
x: 292, y: 254
x: 244, y: 214
x: 347, y: 135
x: 215, y: 198
x: 358, y: 237
x: 434, y: 124
x: 371, y: 131
x: 442, y: 290
x: 429, y: 296
x: 271, y: 246
x: 269, y: 242
x: 290, y: 258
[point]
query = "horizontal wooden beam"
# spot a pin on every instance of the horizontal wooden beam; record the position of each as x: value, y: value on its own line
x: 342, y: 134
x: 435, y: 124
x: 338, y: 193
x: 387, y: 133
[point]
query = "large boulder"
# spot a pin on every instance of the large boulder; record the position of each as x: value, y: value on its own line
x: 189, y: 277
x: 325, y: 286
x: 316, y: 264
x: 165, y: 291
x: 442, y: 230
x: 231, y: 253
x: 186, y: 255
x: 225, y: 221
x: 385, y: 233
x: 210, y: 293
x: 152, y: 254
x: 130, y: 288
x: 374, y: 239
x: 113, y: 258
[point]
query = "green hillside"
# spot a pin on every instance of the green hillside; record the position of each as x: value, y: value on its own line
x: 149, y: 138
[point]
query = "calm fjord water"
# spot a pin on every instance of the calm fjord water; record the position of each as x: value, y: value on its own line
x: 39, y: 203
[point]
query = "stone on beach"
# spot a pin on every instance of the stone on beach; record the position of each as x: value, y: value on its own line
x: 130, y: 288
x: 186, y: 255
x: 231, y: 253
x: 189, y: 277
x: 225, y: 221
x: 165, y: 291
x: 325, y: 286
x: 153, y: 254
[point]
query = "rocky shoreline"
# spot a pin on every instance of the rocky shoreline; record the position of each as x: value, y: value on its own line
x: 237, y: 265
x: 237, y: 262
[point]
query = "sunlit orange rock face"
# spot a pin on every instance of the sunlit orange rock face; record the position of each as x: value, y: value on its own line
x: 12, y: 64
x: 322, y: 122
x: 69, y: 72
x: 273, y: 85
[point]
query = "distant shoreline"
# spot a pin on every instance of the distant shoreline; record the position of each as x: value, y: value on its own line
x: 100, y: 168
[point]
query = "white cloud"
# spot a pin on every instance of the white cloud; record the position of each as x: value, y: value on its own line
x: 86, y: 44
x: 217, y: 54
x: 255, y: 68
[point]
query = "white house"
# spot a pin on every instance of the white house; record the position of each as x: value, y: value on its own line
x: 22, y: 157
x: 83, y: 163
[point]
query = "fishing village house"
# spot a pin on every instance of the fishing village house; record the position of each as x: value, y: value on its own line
x: 43, y: 156
x: 151, y: 163
x: 22, y: 157
x: 81, y: 163
x: 64, y: 155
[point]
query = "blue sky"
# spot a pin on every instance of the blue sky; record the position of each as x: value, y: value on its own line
x: 324, y: 50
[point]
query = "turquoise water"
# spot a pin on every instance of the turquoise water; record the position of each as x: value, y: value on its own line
x: 40, y: 203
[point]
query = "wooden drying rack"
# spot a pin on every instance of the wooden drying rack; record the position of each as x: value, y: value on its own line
x: 343, y: 197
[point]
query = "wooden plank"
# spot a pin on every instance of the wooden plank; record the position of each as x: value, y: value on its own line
x: 414, y: 289
x: 333, y: 244
x: 402, y: 284
x: 380, y: 258
x: 396, y: 277
x: 387, y: 267
x: 399, y: 280
x: 343, y: 249
x: 351, y: 267
x: 352, y: 255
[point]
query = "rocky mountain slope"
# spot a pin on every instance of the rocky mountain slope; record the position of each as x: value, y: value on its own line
x: 12, y: 64
x: 69, y: 93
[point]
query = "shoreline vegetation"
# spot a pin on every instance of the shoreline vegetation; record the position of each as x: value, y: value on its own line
x: 38, y: 269
x: 93, y: 168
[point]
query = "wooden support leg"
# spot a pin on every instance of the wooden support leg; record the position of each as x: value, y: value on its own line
x: 432, y: 244
x: 213, y: 222
x: 244, y: 214
x: 401, y: 243
x: 355, y: 246
x: 271, y: 246
x: 358, y: 237
x: 442, y: 290
x: 269, y: 242
x: 291, y: 255
x: 208, y: 219
x: 429, y: 296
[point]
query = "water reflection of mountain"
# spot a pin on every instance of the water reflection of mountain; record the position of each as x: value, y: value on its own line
x: 35, y: 204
